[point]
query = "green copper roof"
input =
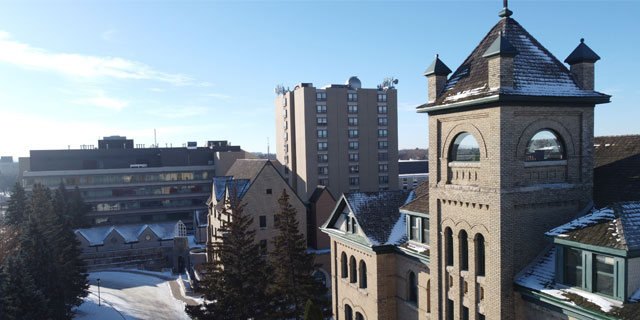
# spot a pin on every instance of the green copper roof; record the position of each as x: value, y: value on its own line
x: 582, y: 53
x: 438, y: 68
x: 502, y: 47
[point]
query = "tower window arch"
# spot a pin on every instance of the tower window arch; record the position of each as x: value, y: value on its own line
x: 413, y: 287
x: 464, y: 250
x: 448, y: 242
x: 545, y: 145
x: 480, y: 255
x: 363, y: 274
x: 343, y: 263
x: 465, y: 148
x: 359, y: 316
x: 348, y: 312
x: 353, y: 274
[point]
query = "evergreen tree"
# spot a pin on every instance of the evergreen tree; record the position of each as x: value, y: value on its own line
x: 21, y: 298
x: 17, y: 207
x: 40, y: 207
x: 236, y: 281
x: 312, y: 312
x: 38, y: 262
x: 77, y: 210
x: 293, y: 266
x: 72, y: 283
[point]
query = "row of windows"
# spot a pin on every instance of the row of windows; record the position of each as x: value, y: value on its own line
x: 353, y: 156
x: 353, y: 133
x: 144, y: 191
x: 322, y: 96
x: 348, y: 313
x: 350, y: 271
x: 118, y: 178
x: 464, y: 251
x: 545, y: 145
x: 351, y: 121
x: 146, y: 204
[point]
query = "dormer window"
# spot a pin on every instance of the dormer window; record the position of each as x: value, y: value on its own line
x: 465, y: 148
x: 545, y: 145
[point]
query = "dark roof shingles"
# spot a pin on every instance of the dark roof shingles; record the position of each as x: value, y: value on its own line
x: 377, y: 212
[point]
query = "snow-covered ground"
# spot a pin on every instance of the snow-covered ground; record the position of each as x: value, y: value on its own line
x: 135, y: 296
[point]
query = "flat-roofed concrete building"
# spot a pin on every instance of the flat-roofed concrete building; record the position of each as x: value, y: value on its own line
x: 124, y: 184
x: 344, y: 137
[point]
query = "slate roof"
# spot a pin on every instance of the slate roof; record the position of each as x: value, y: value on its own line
x: 378, y: 214
x: 413, y: 166
x: 222, y: 184
x: 419, y: 204
x: 201, y: 218
x: 582, y: 53
x: 246, y: 168
x: 616, y: 226
x: 537, y: 73
x: 130, y: 233
x: 422, y: 188
x: 616, y: 175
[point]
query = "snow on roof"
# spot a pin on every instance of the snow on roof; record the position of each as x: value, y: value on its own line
x: 540, y: 276
x: 594, y: 217
x: 223, y: 184
x: 130, y: 233
x: 378, y: 214
x: 616, y: 226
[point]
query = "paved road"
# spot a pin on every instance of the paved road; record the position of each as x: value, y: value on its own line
x: 137, y: 296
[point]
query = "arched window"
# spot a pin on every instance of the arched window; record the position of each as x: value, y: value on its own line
x: 359, y: 316
x: 348, y: 312
x: 320, y: 277
x: 429, y: 295
x: 480, y: 255
x: 465, y: 148
x: 544, y: 146
x: 343, y: 263
x: 448, y: 242
x: 352, y: 270
x: 464, y: 250
x: 413, y: 287
x: 363, y: 274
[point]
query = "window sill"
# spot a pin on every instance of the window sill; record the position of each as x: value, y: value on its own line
x: 463, y: 164
x: 528, y: 164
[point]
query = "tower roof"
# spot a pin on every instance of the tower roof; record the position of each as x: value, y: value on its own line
x: 538, y: 75
x: 438, y: 68
x: 501, y: 47
x: 582, y: 53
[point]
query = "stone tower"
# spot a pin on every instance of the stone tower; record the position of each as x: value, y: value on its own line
x: 511, y: 150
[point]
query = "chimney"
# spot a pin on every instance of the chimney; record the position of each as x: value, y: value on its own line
x: 582, y: 61
x: 500, y: 55
x: 436, y: 75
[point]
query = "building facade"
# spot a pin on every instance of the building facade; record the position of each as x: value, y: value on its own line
x: 123, y: 184
x: 344, y: 137
x: 506, y: 228
x: 411, y: 173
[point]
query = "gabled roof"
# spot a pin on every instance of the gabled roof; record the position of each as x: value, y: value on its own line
x: 616, y: 175
x: 317, y: 193
x: 222, y: 185
x: 438, y: 68
x: 537, y: 73
x: 130, y: 233
x: 246, y: 168
x: 378, y: 214
x: 616, y: 227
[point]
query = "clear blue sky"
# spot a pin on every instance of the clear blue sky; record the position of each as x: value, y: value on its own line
x: 73, y: 71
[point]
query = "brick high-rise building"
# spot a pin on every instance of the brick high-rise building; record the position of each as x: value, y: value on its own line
x: 344, y: 137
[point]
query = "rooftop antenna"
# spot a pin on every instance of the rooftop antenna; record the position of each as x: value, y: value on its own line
x: 505, y: 12
x: 267, y: 147
x: 155, y: 141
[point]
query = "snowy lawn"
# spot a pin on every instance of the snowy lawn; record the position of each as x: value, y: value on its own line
x: 135, y: 296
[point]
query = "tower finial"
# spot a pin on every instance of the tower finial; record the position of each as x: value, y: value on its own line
x: 505, y: 12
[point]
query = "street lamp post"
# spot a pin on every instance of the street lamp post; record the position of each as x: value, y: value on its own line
x: 98, y: 292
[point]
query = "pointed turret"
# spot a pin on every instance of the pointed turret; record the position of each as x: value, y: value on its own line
x: 499, y: 57
x: 582, y: 61
x: 436, y: 75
